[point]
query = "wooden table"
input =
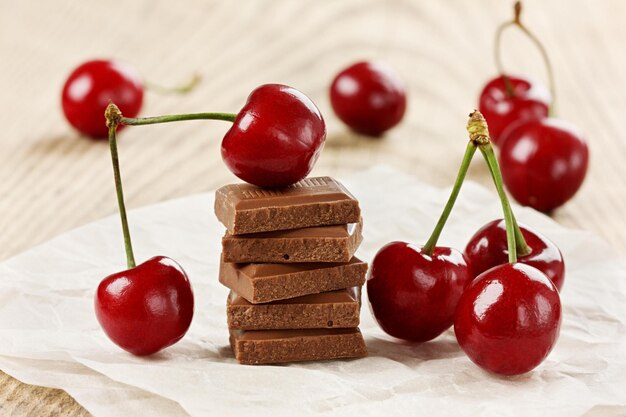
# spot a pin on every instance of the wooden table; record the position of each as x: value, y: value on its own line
x: 53, y: 180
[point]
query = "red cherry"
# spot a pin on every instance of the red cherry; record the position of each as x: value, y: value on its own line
x: 488, y: 248
x: 369, y: 97
x: 146, y: 308
x: 501, y: 108
x: 508, y: 319
x: 413, y: 296
x: 89, y: 89
x: 276, y: 138
x: 543, y: 162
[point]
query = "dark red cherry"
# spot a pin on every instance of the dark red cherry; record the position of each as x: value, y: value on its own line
x: 502, y: 108
x: 412, y: 295
x: 369, y: 97
x: 508, y: 319
x: 543, y: 162
x: 276, y: 137
x: 89, y: 89
x: 146, y: 308
x: 488, y: 248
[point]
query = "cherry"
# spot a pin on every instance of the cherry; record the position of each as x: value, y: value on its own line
x: 508, y: 319
x: 506, y: 100
x: 488, y: 248
x: 413, y: 294
x: 544, y: 162
x: 146, y: 308
x: 369, y: 97
x: 413, y: 291
x: 276, y: 138
x: 89, y: 89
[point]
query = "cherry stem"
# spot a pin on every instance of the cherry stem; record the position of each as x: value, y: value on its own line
x: 229, y: 117
x: 479, y: 133
x: 180, y: 89
x: 542, y: 50
x: 428, y: 248
x: 113, y: 116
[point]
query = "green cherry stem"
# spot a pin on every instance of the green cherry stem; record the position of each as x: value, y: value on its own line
x: 515, y: 240
x: 228, y: 117
x: 179, y: 89
x: 428, y: 248
x: 113, y: 116
x: 517, y: 8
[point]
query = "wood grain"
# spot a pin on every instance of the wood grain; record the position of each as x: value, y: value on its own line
x: 52, y: 180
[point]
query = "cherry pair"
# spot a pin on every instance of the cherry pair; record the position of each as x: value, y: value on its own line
x: 416, y: 293
x: 274, y: 141
x: 543, y: 159
x: 147, y: 307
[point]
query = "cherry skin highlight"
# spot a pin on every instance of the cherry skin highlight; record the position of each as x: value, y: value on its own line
x: 508, y: 319
x: 488, y: 248
x: 412, y: 295
x: 89, y: 89
x: 146, y: 308
x: 276, y: 138
x: 528, y: 100
x: 369, y: 97
x: 543, y: 162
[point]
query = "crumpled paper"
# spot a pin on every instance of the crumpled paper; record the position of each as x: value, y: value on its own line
x: 49, y: 334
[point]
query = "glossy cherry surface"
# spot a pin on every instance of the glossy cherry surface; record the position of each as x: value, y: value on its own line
x: 91, y: 86
x: 146, y: 308
x: 488, y: 248
x: 276, y: 137
x: 412, y: 295
x: 501, y: 108
x: 369, y: 97
x: 543, y: 162
x: 508, y: 319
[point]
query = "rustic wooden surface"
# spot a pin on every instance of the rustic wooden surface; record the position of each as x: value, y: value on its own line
x: 53, y: 180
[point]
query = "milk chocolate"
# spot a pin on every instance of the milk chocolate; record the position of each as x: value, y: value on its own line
x: 256, y: 347
x: 313, y: 244
x: 334, y: 309
x: 263, y: 283
x: 245, y: 208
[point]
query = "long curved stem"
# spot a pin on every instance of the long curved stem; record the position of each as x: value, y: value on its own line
x: 542, y: 50
x: 229, y: 117
x: 434, y: 237
x: 112, y: 115
x: 479, y: 133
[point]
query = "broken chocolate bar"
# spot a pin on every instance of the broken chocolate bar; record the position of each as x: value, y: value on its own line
x: 244, y: 208
x: 314, y: 244
x: 256, y: 347
x: 334, y: 309
x: 263, y: 283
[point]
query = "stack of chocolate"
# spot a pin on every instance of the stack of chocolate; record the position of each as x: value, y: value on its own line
x: 288, y: 259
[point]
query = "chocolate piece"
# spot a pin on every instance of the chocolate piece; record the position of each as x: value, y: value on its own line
x: 244, y: 208
x: 255, y: 347
x: 263, y: 283
x: 334, y: 309
x: 313, y: 244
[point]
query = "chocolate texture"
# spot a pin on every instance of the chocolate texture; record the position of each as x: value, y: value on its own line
x: 334, y: 309
x: 245, y: 208
x: 313, y: 244
x: 263, y: 283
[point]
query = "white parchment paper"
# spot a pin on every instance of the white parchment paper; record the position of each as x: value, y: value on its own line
x: 49, y: 335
